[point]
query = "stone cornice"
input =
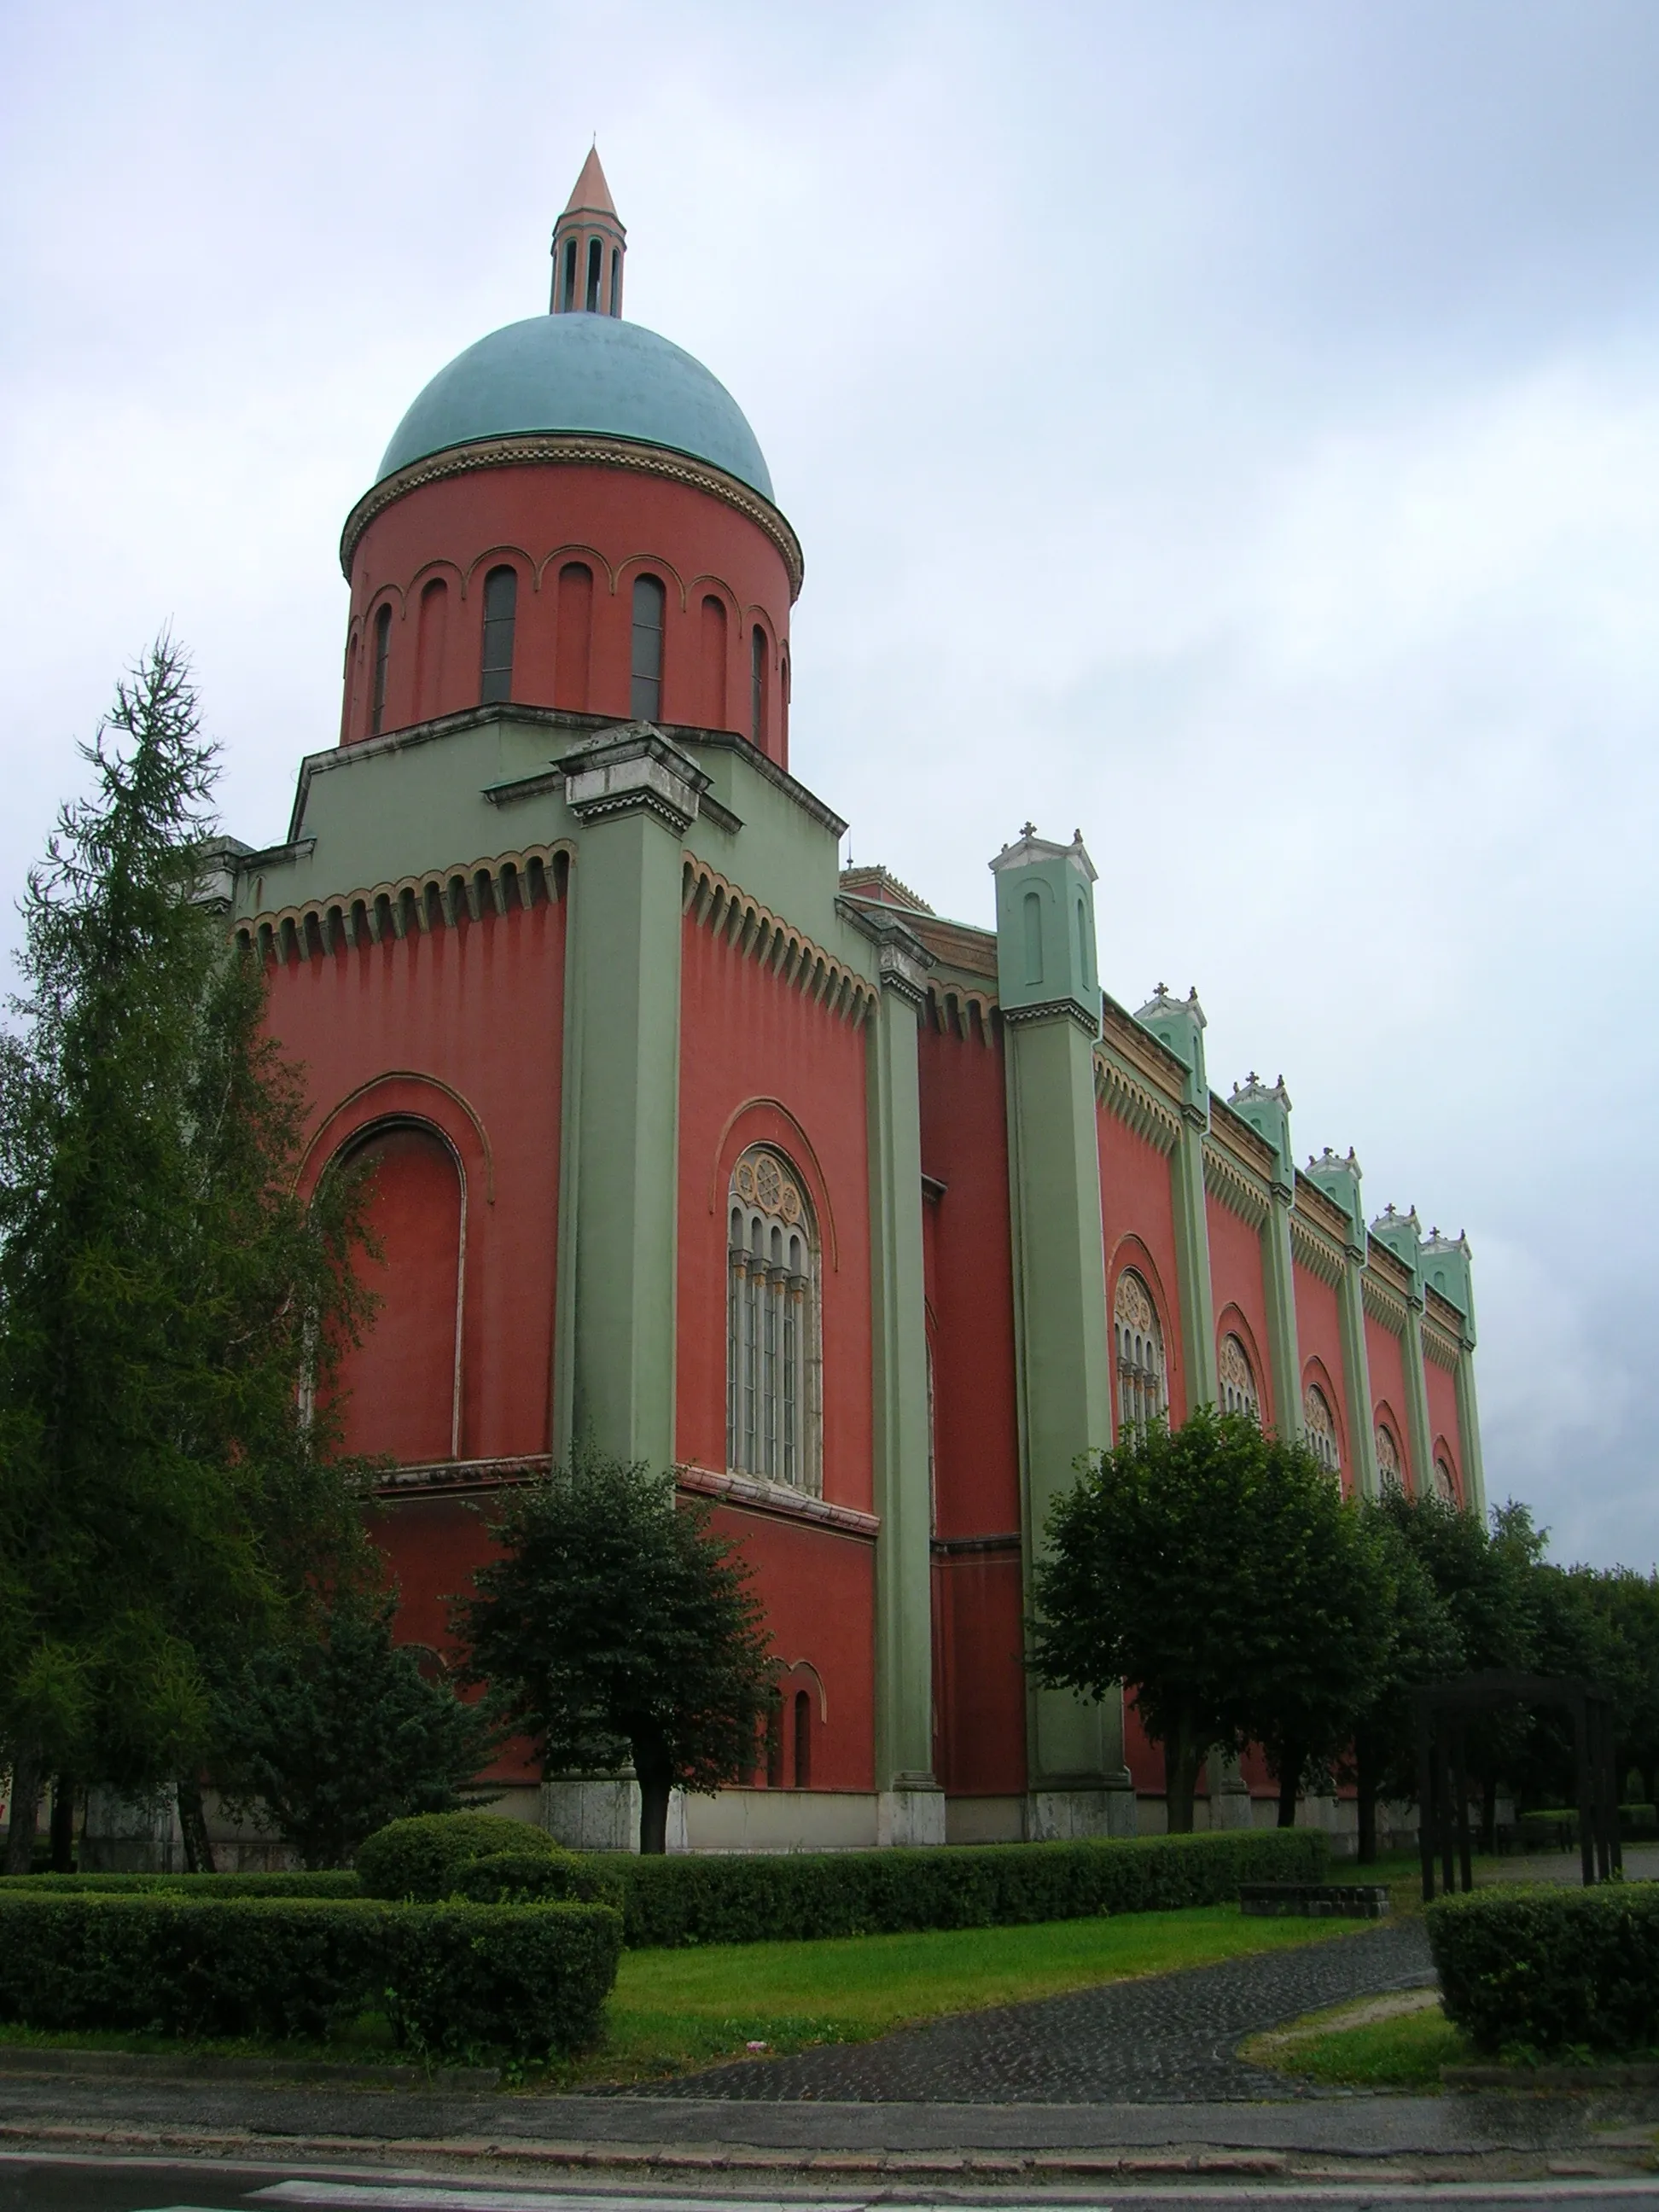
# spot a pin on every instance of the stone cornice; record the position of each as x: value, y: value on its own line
x: 755, y: 1495
x: 633, y: 769
x: 1048, y: 1011
x: 1136, y: 1102
x: 575, y: 449
x: 1249, y: 1148
x: 1388, y: 1267
x: 760, y: 935
x: 902, y: 959
x: 449, y: 1475
x: 1440, y: 1313
x: 1384, y: 1302
x: 435, y: 898
x: 1239, y: 1190
x: 1441, y: 1343
x: 1148, y: 1056
x: 1318, y: 1207
x: 1315, y: 1252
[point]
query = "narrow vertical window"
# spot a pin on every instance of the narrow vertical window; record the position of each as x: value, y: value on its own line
x: 382, y: 655
x: 1033, y: 938
x: 758, y: 685
x: 645, y: 666
x: 772, y: 1382
x: 774, y: 1744
x: 615, y: 280
x: 595, y: 264
x: 712, y: 686
x: 570, y: 274
x: 431, y: 634
x: 500, y: 603
x: 573, y: 648
x: 803, y: 1740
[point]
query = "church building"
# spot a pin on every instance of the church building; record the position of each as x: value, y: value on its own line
x: 693, y: 1146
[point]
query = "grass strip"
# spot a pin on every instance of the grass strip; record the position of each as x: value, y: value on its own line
x: 1397, y: 2041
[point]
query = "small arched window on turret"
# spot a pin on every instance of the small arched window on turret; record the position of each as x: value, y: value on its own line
x: 758, y: 685
x: 570, y: 274
x: 645, y: 667
x: 772, y: 1370
x: 1238, y: 1392
x: 615, y: 280
x: 500, y: 606
x: 382, y: 655
x: 595, y: 268
x: 1138, y: 1341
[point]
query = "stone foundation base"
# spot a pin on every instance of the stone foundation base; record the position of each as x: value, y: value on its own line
x: 601, y: 1813
x: 1057, y: 1816
x: 914, y: 1817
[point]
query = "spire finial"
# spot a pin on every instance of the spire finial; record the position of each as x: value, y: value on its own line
x: 589, y: 243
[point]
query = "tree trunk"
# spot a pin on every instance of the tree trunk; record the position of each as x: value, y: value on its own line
x: 655, y: 1774
x: 1291, y: 1760
x: 192, y: 1825
x: 25, y: 1797
x: 1183, y: 1755
x: 1365, y: 1799
x: 63, y: 1824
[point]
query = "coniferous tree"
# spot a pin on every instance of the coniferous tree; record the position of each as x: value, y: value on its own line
x: 169, y: 1491
x: 615, y: 1626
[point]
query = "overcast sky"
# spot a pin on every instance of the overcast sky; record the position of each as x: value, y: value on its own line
x: 1230, y: 427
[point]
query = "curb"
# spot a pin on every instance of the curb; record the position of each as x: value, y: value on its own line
x: 1636, y: 2075
x: 159, y: 2066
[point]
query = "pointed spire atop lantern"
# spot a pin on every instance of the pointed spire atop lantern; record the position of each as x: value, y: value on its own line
x: 590, y: 243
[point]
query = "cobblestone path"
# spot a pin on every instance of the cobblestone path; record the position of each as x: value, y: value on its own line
x: 1170, y: 2037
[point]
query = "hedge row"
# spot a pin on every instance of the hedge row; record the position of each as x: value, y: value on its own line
x: 758, y: 1899
x: 453, y: 1978
x: 1550, y: 1970
x: 333, y: 1883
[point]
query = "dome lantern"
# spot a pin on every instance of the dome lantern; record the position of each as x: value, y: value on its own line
x: 590, y: 243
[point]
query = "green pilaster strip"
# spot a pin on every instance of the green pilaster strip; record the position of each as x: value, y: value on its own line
x: 1357, y: 1375
x: 1416, y: 1398
x: 1191, y: 1228
x: 1059, y: 1338
x: 634, y: 794
x: 904, y: 1685
x: 1468, y: 1430
x: 1049, y: 992
x: 1279, y: 1282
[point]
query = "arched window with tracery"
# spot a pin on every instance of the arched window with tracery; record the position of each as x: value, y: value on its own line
x: 1321, y: 1429
x: 1238, y: 1392
x: 1142, y: 1396
x: 771, y: 1324
x: 1445, y: 1482
x: 1390, y: 1468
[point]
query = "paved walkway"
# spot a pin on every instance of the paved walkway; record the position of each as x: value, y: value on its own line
x: 1167, y: 2037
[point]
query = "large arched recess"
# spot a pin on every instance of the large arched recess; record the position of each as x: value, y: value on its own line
x: 402, y: 1382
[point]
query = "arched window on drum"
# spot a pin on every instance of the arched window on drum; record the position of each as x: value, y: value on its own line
x: 1238, y: 1392
x: 1445, y: 1482
x: 772, y: 1366
x: 1390, y: 1468
x: 1138, y: 1341
x: 1321, y: 1429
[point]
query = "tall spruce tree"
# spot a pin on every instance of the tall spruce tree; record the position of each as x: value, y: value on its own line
x: 169, y: 1491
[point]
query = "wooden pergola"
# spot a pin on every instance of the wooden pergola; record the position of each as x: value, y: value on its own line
x: 1444, y: 1710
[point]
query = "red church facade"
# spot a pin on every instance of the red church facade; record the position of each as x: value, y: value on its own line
x: 692, y: 1147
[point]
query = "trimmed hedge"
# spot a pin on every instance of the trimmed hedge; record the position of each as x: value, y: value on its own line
x: 453, y: 1978
x: 539, y: 1878
x: 423, y: 1856
x: 761, y: 1898
x: 1551, y: 1969
x: 331, y: 1883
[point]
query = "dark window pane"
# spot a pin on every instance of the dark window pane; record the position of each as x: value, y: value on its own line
x: 500, y: 602
x: 570, y: 275
x: 615, y: 280
x: 758, y: 685
x: 382, y: 655
x: 645, y: 702
x: 595, y: 264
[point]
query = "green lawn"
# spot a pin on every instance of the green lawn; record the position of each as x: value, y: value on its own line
x: 672, y: 2010
x: 1399, y: 2041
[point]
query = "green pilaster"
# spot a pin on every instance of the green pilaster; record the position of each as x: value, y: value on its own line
x: 1050, y: 1001
x: 634, y: 795
x: 1179, y: 1024
x: 910, y: 1806
x: 1340, y: 1180
x: 1448, y: 1267
x: 1402, y: 1233
x: 1267, y: 1110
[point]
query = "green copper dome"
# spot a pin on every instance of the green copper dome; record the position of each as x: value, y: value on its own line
x: 576, y: 372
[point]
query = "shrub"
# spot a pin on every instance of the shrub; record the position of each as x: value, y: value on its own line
x: 769, y: 1898
x: 538, y: 1878
x: 423, y: 1856
x: 453, y: 1978
x: 331, y: 1883
x: 1551, y: 1969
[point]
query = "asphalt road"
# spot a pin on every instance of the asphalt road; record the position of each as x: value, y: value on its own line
x: 92, y: 2184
